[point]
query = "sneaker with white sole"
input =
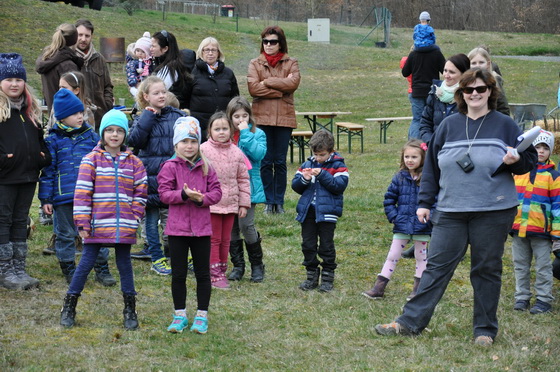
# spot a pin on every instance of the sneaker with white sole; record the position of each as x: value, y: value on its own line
x: 178, y: 324
x: 484, y: 341
x: 392, y: 329
x: 200, y: 325
x: 161, y: 267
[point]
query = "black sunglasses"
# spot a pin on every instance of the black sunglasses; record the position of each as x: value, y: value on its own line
x: 479, y: 89
x: 165, y: 35
x: 270, y: 42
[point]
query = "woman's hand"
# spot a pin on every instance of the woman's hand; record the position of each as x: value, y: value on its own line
x: 423, y: 214
x: 511, y: 156
x: 242, y: 212
x: 84, y: 234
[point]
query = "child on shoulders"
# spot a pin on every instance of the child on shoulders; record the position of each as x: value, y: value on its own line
x: 423, y: 34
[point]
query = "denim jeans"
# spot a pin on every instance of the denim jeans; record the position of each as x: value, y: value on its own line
x: 486, y: 232
x: 417, y: 104
x: 15, y: 201
x: 274, y: 171
x: 66, y: 233
x: 523, y: 250
x: 152, y: 233
x: 89, y: 255
x: 317, y: 240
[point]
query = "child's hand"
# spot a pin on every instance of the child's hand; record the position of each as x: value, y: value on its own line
x: 84, y: 234
x: 48, y: 209
x: 307, y: 173
x: 315, y: 171
x: 243, y: 125
x: 193, y: 194
x: 242, y: 212
x: 150, y: 108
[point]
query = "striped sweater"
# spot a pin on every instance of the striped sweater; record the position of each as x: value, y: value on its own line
x: 110, y: 196
x: 538, y: 192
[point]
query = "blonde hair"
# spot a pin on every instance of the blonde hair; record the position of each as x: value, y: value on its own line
x: 144, y: 88
x: 58, y: 41
x: 171, y: 100
x: 205, y: 162
x: 32, y: 109
x: 204, y: 43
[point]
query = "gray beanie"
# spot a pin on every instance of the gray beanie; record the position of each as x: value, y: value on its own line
x: 424, y: 16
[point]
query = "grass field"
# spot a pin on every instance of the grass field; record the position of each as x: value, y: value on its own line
x: 274, y: 325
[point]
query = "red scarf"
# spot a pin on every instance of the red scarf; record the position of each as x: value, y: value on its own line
x: 273, y: 60
x: 236, y: 137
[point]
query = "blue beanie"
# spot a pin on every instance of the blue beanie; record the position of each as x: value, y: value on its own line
x: 186, y: 127
x: 66, y: 103
x: 11, y: 66
x: 114, y: 117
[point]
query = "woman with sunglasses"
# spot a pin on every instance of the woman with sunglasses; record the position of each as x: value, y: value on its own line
x: 272, y: 79
x: 213, y: 84
x: 169, y: 65
x: 476, y: 205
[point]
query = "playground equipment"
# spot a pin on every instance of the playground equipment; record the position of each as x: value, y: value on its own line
x: 382, y: 18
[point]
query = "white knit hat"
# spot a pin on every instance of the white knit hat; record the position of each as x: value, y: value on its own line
x: 545, y: 137
x: 144, y: 43
x: 424, y: 16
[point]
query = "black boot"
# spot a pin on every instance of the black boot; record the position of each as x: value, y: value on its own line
x: 129, y: 312
x: 378, y: 290
x: 237, y: 259
x: 409, y: 253
x: 102, y: 274
x: 68, y: 270
x: 68, y: 312
x: 312, y: 280
x: 327, y: 281
x: 255, y: 253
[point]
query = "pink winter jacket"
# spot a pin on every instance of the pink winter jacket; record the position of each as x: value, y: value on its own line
x: 186, y: 218
x: 229, y: 162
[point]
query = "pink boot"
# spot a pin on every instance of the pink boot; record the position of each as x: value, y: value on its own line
x: 218, y: 276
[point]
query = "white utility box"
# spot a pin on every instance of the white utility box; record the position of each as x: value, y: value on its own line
x: 319, y: 30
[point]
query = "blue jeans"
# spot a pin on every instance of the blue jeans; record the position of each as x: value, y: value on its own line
x: 15, y: 201
x: 89, y: 255
x: 486, y: 232
x: 152, y: 233
x: 274, y: 171
x: 66, y: 233
x: 417, y: 104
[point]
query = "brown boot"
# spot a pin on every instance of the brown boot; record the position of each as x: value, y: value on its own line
x: 378, y: 289
x: 414, y: 289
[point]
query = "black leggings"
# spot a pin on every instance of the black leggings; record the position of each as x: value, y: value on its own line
x: 200, y: 250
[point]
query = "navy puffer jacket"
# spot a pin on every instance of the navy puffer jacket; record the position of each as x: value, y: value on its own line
x: 152, y: 134
x: 401, y: 202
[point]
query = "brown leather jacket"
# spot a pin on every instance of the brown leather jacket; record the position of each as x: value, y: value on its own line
x: 273, y: 91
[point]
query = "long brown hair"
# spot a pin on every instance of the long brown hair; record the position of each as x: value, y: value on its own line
x: 241, y: 103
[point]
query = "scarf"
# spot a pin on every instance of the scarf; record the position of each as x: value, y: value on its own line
x: 17, y: 103
x: 86, y: 56
x: 212, y: 69
x: 273, y: 60
x: 65, y: 128
x: 446, y: 94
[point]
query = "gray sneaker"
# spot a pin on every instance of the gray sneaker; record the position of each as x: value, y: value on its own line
x: 540, y: 307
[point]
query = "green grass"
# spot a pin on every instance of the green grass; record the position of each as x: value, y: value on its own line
x: 274, y: 325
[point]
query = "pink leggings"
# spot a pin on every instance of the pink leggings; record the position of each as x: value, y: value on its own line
x: 394, y: 256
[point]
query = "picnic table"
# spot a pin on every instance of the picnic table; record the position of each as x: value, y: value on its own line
x: 314, y: 116
x: 384, y: 124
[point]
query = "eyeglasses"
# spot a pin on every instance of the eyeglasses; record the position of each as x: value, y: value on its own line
x: 115, y: 130
x: 270, y: 42
x: 479, y: 89
x: 209, y: 50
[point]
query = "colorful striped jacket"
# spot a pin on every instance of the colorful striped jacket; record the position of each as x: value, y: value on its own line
x: 110, y: 196
x: 538, y: 191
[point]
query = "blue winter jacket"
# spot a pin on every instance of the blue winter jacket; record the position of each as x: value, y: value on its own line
x: 253, y: 146
x: 58, y: 180
x: 401, y: 203
x: 152, y: 134
x: 434, y: 113
x: 324, y: 191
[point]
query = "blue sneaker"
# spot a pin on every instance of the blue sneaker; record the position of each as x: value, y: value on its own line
x: 161, y: 266
x: 178, y: 324
x: 200, y: 325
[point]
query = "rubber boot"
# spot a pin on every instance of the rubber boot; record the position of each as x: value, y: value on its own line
x: 68, y: 312
x: 312, y: 280
x: 327, y: 281
x: 68, y: 270
x: 409, y: 253
x: 129, y: 312
x: 237, y: 259
x: 102, y: 274
x: 414, y: 289
x: 8, y: 277
x: 20, y: 255
x: 255, y: 253
x: 378, y: 290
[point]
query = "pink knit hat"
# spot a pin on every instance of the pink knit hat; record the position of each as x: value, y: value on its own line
x: 144, y: 43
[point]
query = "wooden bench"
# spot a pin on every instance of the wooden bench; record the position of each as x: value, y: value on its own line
x: 352, y: 130
x: 300, y: 139
x: 384, y: 125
